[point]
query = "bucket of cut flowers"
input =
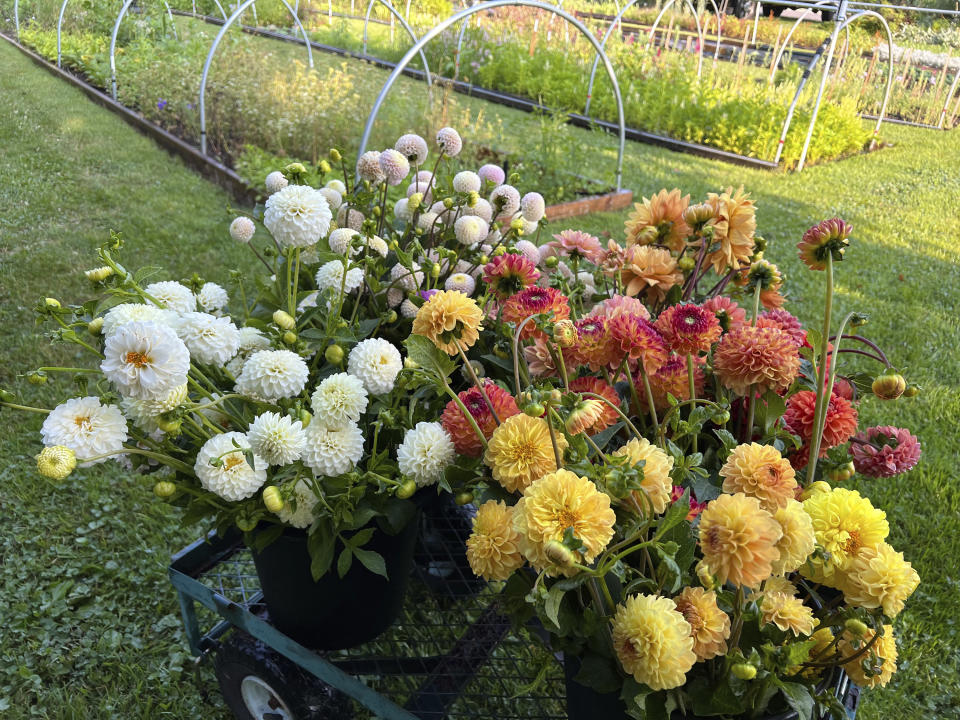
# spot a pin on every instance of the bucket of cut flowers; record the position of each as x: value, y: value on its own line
x: 669, y: 503
x: 284, y: 410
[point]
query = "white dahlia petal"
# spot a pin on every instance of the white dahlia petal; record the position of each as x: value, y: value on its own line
x: 533, y: 207
x: 505, y: 199
x: 466, y: 182
x: 297, y: 216
x: 269, y: 375
x: 413, y: 147
x: 251, y: 339
x: 470, y: 230
x: 275, y: 182
x: 332, y: 451
x: 145, y: 360
x: 401, y: 209
x: 242, y: 229
x: 341, y: 240
x: 377, y: 363
x: 86, y: 427
x: 395, y: 166
x: 530, y: 251
x: 408, y: 309
x: 408, y: 279
x: 336, y: 185
x: 333, y: 197
x: 426, y: 451
x: 492, y: 173
x: 298, y: 512
x: 449, y: 141
x: 339, y: 400
x: 482, y: 209
x: 212, y: 297
x: 211, y: 340
x: 368, y: 167
x: 462, y: 282
x: 232, y: 478
x: 277, y: 438
x: 378, y: 245
x: 174, y: 296
x: 330, y: 277
x: 120, y: 315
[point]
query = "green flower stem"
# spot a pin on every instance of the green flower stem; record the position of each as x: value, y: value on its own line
x: 752, y: 407
x: 553, y: 439
x: 620, y: 412
x: 738, y: 619
x: 203, y: 432
x: 756, y: 304
x: 466, y: 413
x: 260, y: 258
x: 76, y: 339
x: 614, y: 559
x: 177, y: 465
x: 821, y: 420
x: 25, y: 408
x: 70, y: 369
x: 693, y: 392
x: 384, y: 479
x: 292, y: 289
x: 516, y: 352
x: 606, y: 594
x: 821, y: 376
x: 476, y: 381
x: 646, y: 388
x: 216, y: 402
x: 856, y: 656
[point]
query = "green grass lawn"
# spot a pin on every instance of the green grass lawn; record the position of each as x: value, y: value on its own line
x: 90, y: 623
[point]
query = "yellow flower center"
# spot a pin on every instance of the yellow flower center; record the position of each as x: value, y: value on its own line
x: 233, y: 460
x: 137, y: 359
x: 83, y: 423
x: 853, y: 542
x: 565, y: 519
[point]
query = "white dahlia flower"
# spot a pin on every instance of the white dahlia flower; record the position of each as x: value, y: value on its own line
x: 277, y: 438
x: 533, y: 207
x: 137, y: 412
x: 401, y: 209
x: 378, y: 245
x: 348, y: 217
x: 212, y: 297
x: 341, y: 240
x: 394, y: 165
x: 330, y: 276
x: 334, y: 199
x: 413, y: 147
x: 492, y: 173
x: 173, y: 295
x: 232, y: 478
x: 145, y: 360
x: 211, y: 340
x: 299, y: 512
x: 408, y: 309
x: 427, y: 221
x: 505, y: 199
x: 168, y: 401
x: 275, y: 182
x: 86, y: 427
x: 310, y: 255
x: 297, y: 216
x: 482, y: 209
x: 269, y: 375
x: 449, y: 141
x: 529, y: 228
x: 395, y: 296
x: 462, y: 282
x: 338, y: 400
x: 337, y: 185
x: 368, y: 167
x: 332, y: 451
x: 251, y: 339
x: 466, y: 182
x: 120, y: 315
x: 530, y: 251
x: 242, y: 229
x: 426, y: 451
x: 377, y: 363
x: 409, y: 280
x: 470, y: 230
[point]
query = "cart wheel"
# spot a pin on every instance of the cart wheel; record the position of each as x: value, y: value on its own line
x: 259, y: 683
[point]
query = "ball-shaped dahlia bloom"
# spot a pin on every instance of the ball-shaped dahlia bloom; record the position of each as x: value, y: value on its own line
x: 413, y: 147
x: 449, y: 141
x: 339, y: 399
x: 297, y: 216
x: 573, y: 244
x: 709, y: 625
x: 533, y: 207
x: 787, y: 612
x: 275, y: 182
x: 269, y: 375
x: 884, y: 451
x: 657, y: 465
x: 482, y: 209
x: 426, y: 451
x: 368, y: 167
x: 349, y: 217
x: 878, y: 665
x: 595, y: 345
x: 332, y: 451
x: 211, y: 340
x: 880, y: 577
x: 798, y: 540
x: 672, y: 378
x: 730, y: 315
x: 334, y: 198
x: 276, y: 438
x: 505, y: 200
x: 120, y: 315
x: 212, y: 298
x: 520, y: 451
x: 734, y: 225
x: 86, y: 427
x: 376, y: 363
x: 649, y: 271
x: 242, y: 229
x: 760, y: 471
x: 222, y: 468
x: 752, y: 359
x: 467, y: 182
x: 653, y: 641
x: 784, y: 321
x: 394, y: 165
x: 298, y: 511
x: 844, y: 523
x: 173, y: 295
x: 470, y: 230
x: 620, y: 305
x: 510, y: 273
x: 56, y: 462
x: 535, y: 301
x: 341, y: 241
x: 493, y: 548
x: 330, y: 277
x: 464, y: 437
x: 739, y: 540
x: 449, y: 319
x: 828, y: 238
x: 688, y: 328
x: 839, y: 426
x: 493, y: 174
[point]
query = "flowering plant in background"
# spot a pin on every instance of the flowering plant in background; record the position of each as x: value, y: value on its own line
x: 287, y: 401
x: 658, y: 455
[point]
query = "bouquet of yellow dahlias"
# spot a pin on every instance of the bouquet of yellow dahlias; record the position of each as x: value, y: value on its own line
x: 659, y: 477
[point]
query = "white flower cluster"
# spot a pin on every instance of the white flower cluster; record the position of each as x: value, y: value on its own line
x: 426, y: 451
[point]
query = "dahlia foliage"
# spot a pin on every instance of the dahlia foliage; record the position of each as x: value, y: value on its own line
x: 656, y: 448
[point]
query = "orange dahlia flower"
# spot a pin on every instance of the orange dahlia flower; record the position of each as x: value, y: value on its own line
x: 464, y: 437
x: 649, y: 271
x: 759, y: 358
x: 659, y: 221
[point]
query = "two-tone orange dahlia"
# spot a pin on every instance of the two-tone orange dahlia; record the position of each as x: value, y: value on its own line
x: 638, y: 340
x: 464, y: 437
x: 659, y: 221
x: 759, y: 358
x: 688, y: 328
x: 840, y: 424
x: 617, y: 305
x: 535, y: 301
x: 730, y: 315
x: 830, y: 237
x: 595, y: 345
x: 649, y: 271
x: 606, y: 415
x: 509, y: 274
x: 783, y: 320
x: 672, y: 379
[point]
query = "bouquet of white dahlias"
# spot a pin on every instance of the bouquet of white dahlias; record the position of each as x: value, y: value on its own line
x: 287, y: 402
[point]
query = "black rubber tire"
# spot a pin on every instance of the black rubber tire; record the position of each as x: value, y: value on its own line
x: 827, y: 15
x: 306, y: 697
x: 743, y: 8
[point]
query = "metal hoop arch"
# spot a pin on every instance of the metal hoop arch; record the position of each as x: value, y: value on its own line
x: 826, y: 73
x: 213, y: 49
x: 406, y: 26
x: 16, y: 17
x: 63, y: 8
x: 946, y: 102
x: 786, y: 40
x: 666, y: 6
x: 480, y: 7
x: 618, y: 20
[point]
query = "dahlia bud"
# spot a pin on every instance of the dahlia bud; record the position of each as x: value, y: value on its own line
x: 295, y: 171
x: 501, y: 250
x: 333, y: 354
x: 7, y: 396
x: 534, y: 409
x: 171, y: 426
x: 552, y: 262
x: 448, y: 203
x: 414, y: 201
x: 272, y: 499
x: 464, y: 498
x: 855, y: 627
x: 435, y: 271
x: 889, y: 386
x: 565, y: 333
x: 484, y: 259
x: 817, y: 487
x: 517, y: 224
x: 324, y: 167
x: 334, y: 155
x: 390, y: 316
x: 559, y: 554
x: 164, y: 489
x: 99, y: 274
x: 744, y: 671
x: 706, y: 578
x: 37, y: 377
x: 556, y: 397
x: 686, y: 263
x: 52, y: 303
x: 406, y: 489
x: 284, y: 320
x: 56, y: 462
x: 842, y: 473
x: 305, y: 417
x: 911, y: 391
x: 95, y: 326
x: 696, y: 216
x: 473, y: 198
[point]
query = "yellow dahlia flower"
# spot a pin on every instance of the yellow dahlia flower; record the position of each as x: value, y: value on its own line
x: 822, y: 638
x: 843, y: 523
x: 493, y: 548
x: 558, y: 501
x: 653, y: 641
x: 787, y: 612
x: 520, y: 451
x: 880, y: 577
x: 449, y: 316
x: 761, y: 472
x: 798, y: 540
x: 734, y: 225
x: 709, y: 625
x: 656, y: 471
x: 877, y: 665
x: 739, y: 539
x: 649, y: 271
x: 659, y: 219
x: 779, y: 584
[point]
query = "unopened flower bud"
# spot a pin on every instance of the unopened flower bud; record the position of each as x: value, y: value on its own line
x: 171, y: 426
x: 410, y: 364
x: 464, y: 498
x: 406, y: 489
x: 51, y: 303
x: 334, y: 155
x: 696, y: 216
x: 855, y: 627
x: 818, y: 487
x: 414, y: 201
x: 534, y: 409
x: 744, y: 671
x: 99, y: 274
x: 686, y: 263
x: 95, y: 326
x: 7, y: 396
x: 889, y: 386
x: 842, y: 473
x: 272, y: 499
x: 56, y: 462
x: 284, y: 320
x: 472, y: 200
x: 559, y: 554
x: 448, y: 203
x: 706, y: 578
x: 324, y: 167
x: 517, y: 224
x: 295, y: 169
x: 390, y: 316
x: 911, y: 391
x: 501, y: 250
x: 435, y: 270
x: 289, y: 337
x: 36, y: 377
x: 484, y: 259
x: 565, y: 333
x: 164, y: 489
x: 552, y: 262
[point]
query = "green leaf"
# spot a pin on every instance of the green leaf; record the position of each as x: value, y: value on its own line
x: 798, y: 698
x: 372, y: 561
x: 770, y: 410
x: 676, y: 514
x: 344, y: 561
x: 361, y: 538
x: 598, y: 672
x: 552, y: 605
x: 815, y: 339
x: 320, y: 544
x: 602, y: 438
x: 423, y: 352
